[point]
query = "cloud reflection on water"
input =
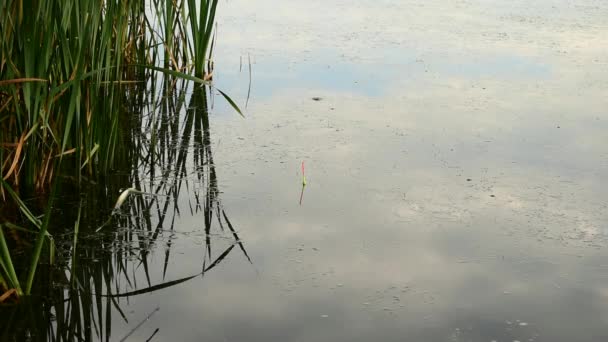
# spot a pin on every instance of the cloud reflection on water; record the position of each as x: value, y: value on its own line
x: 393, y: 242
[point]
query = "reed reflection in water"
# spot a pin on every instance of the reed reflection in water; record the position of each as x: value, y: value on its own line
x: 166, y: 154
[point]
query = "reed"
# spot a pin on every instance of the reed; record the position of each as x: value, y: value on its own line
x: 59, y: 68
x: 63, y: 70
x: 201, y: 27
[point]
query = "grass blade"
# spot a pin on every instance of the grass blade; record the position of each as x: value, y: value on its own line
x: 232, y: 103
x: 7, y: 264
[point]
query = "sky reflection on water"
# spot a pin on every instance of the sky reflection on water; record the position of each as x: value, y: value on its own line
x: 455, y: 173
x: 455, y: 167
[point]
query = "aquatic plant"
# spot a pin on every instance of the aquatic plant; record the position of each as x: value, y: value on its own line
x: 62, y: 66
x: 201, y: 27
x: 65, y: 69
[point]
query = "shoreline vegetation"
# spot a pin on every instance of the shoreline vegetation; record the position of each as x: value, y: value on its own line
x: 66, y: 69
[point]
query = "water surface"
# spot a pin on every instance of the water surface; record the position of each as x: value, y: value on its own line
x: 455, y: 158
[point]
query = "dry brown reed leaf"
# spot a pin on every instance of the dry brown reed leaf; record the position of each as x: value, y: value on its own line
x: 22, y: 80
x: 7, y: 295
x: 16, y: 156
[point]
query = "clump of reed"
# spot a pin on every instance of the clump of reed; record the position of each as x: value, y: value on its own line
x: 63, y: 70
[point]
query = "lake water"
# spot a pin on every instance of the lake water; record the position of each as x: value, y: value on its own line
x: 455, y: 154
